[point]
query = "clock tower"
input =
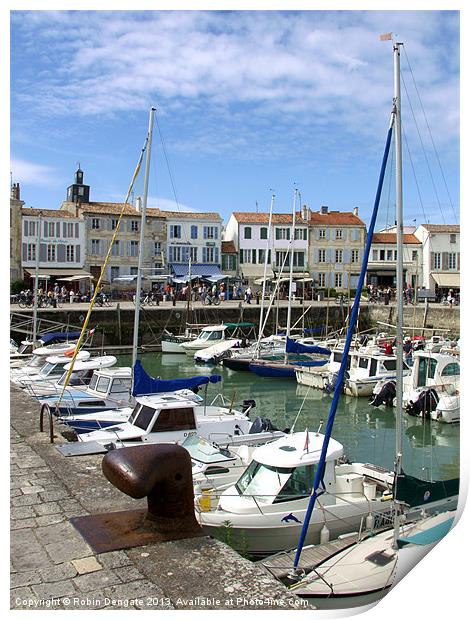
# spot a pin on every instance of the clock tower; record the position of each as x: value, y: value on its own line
x: 78, y: 192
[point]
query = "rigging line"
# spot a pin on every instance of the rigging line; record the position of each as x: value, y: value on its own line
x: 423, y: 149
x: 392, y: 160
x: 425, y: 217
x: 430, y: 135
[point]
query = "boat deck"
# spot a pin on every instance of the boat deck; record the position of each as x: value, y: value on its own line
x: 280, y: 565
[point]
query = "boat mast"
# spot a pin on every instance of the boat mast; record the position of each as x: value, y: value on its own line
x: 261, y: 312
x: 399, y: 272
x: 36, y: 280
x: 142, y: 238
x: 289, y: 292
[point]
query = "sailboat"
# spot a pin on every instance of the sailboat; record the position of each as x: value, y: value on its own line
x: 364, y: 571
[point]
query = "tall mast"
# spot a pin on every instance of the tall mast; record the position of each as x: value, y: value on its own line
x: 261, y: 313
x: 142, y: 238
x: 399, y: 283
x: 36, y: 279
x: 289, y: 295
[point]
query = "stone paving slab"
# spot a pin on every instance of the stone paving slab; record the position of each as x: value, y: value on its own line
x: 52, y: 567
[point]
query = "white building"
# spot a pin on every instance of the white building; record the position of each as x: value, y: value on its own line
x: 193, y: 238
x: 441, y: 256
x: 61, y: 239
x: 249, y: 233
x: 382, y: 265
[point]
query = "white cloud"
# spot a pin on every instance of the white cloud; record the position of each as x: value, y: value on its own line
x: 34, y: 174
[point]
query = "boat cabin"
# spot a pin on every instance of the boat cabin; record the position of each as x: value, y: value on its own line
x: 435, y: 370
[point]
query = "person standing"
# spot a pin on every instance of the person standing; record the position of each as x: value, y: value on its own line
x: 248, y: 295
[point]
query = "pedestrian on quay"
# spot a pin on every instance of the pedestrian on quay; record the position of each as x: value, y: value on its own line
x: 248, y: 295
x: 408, y: 350
x: 451, y: 298
x: 71, y: 295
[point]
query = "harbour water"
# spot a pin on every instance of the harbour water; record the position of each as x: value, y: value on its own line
x: 431, y: 449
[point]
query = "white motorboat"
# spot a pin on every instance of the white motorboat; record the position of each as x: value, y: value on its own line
x: 216, y: 352
x: 265, y: 509
x: 80, y: 377
x: 109, y: 389
x: 51, y: 371
x: 170, y: 418
x: 172, y: 343
x: 210, y: 335
x: 31, y: 363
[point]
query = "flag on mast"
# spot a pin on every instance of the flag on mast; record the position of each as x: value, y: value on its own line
x: 386, y: 37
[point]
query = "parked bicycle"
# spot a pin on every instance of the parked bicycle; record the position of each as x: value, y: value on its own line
x: 103, y: 300
x: 212, y: 300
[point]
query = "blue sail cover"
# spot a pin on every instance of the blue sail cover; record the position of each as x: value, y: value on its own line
x: 296, y: 347
x: 58, y: 336
x: 144, y: 384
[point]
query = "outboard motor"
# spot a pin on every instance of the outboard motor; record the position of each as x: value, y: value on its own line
x: 261, y: 425
x: 248, y: 405
x: 385, y: 396
x: 425, y: 403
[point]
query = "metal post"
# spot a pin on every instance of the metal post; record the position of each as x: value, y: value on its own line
x: 142, y: 239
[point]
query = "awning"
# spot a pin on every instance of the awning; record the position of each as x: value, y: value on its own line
x: 59, y: 273
x: 447, y: 279
x: 198, y: 270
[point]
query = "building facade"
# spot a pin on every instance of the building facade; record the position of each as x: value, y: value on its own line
x: 16, y: 205
x: 441, y: 256
x: 336, y: 248
x: 381, y: 268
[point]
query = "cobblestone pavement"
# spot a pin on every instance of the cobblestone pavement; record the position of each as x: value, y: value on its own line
x: 53, y: 567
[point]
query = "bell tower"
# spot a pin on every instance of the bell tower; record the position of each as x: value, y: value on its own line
x: 78, y: 192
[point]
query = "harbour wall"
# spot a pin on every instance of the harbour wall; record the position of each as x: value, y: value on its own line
x: 115, y: 325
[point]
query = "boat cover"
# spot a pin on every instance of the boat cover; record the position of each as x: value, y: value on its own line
x: 427, y: 537
x: 415, y: 492
x: 144, y: 384
x: 58, y: 336
x: 296, y: 347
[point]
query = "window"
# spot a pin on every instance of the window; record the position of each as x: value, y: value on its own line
x: 261, y: 256
x: 211, y: 232
x: 414, y: 255
x: 452, y: 260
x: 453, y: 238
x: 120, y: 386
x: 70, y: 253
x: 389, y: 254
x: 322, y: 256
x: 193, y: 254
x: 134, y: 225
x: 338, y: 256
x: 299, y: 259
x: 29, y: 228
x: 300, y: 234
x: 95, y: 223
x: 51, y: 253
x: 174, y: 254
x: 114, y: 223
x: 49, y: 229
x: 134, y: 248
x: 437, y: 261
x: 247, y: 232
x: 338, y: 280
x: 69, y: 230
x: 174, y: 420
x: 375, y: 255
x: 354, y: 256
x: 209, y: 255
x: 339, y: 233
x: 281, y: 257
x: 299, y: 484
x: 175, y: 231
x: 194, y: 232
x: 143, y: 417
x: 245, y: 256
x: 282, y: 233
x: 382, y: 254
x: 102, y: 385
x: 31, y: 251
x: 263, y: 233
x: 115, y: 251
x: 395, y: 255
x: 451, y: 370
x: 229, y: 262
x: 157, y: 248
x: 134, y: 271
x: 322, y: 280
x: 95, y: 246
x: 114, y: 272
x: 322, y: 233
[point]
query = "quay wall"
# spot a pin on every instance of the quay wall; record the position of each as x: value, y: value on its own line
x: 115, y: 325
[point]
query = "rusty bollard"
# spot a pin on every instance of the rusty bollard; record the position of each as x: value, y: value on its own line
x: 162, y: 474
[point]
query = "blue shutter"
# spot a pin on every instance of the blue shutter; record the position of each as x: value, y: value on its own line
x: 61, y: 253
x: 204, y: 251
x: 205, y: 232
x: 216, y: 236
x: 25, y: 251
x: 216, y: 254
x: 77, y: 253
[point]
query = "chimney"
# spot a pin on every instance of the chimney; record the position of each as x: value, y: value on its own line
x: 356, y: 211
x: 138, y: 204
x: 15, y: 191
x: 324, y: 210
x: 305, y: 213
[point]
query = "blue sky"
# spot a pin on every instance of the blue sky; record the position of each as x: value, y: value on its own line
x: 247, y: 101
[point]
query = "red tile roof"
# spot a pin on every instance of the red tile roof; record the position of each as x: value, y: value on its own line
x: 332, y: 218
x: 450, y: 228
x: 46, y: 212
x: 392, y: 238
x: 228, y: 247
x: 244, y: 217
x: 192, y: 215
x: 335, y: 218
